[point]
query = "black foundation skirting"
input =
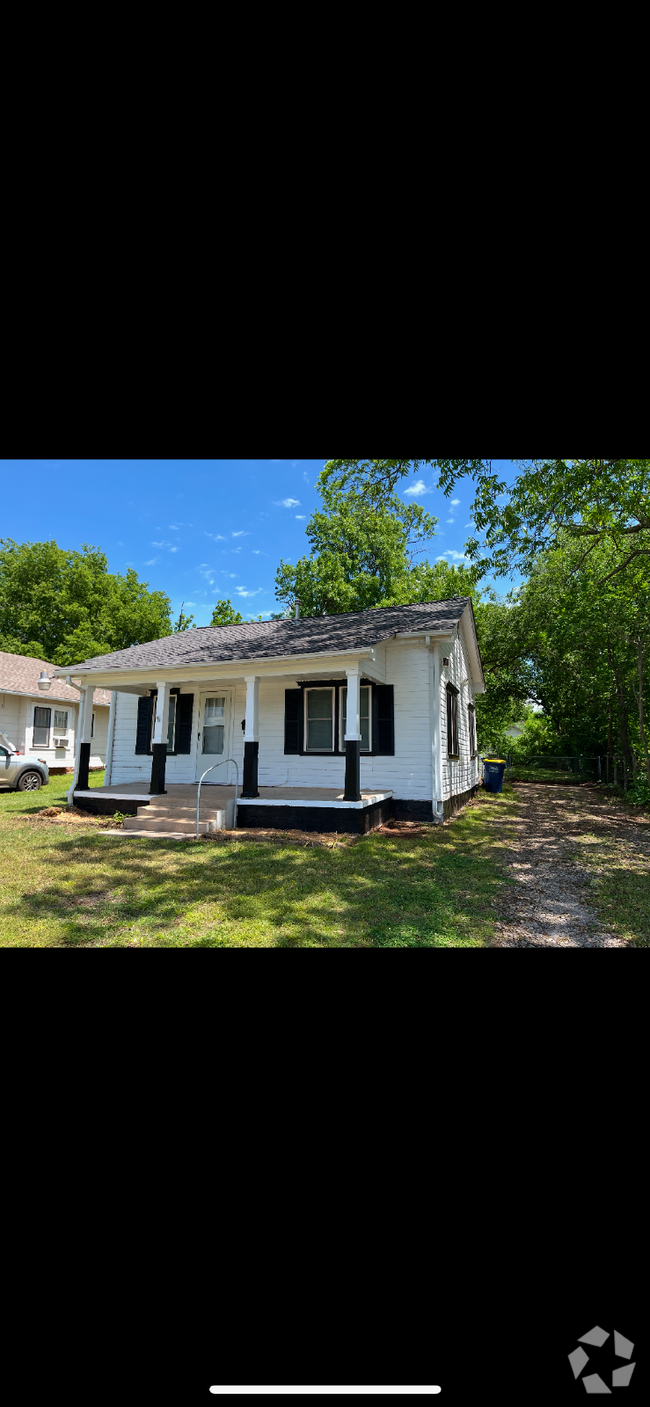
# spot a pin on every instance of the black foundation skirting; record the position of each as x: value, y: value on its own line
x: 454, y: 803
x: 84, y: 766
x: 251, y: 759
x: 315, y: 818
x: 108, y: 805
x: 412, y: 810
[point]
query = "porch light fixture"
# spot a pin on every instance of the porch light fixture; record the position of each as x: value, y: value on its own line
x: 44, y: 681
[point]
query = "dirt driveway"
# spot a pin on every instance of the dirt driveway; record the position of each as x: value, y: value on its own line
x: 549, y: 905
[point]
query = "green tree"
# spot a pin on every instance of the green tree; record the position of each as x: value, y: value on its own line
x: 65, y: 606
x: 362, y: 547
x: 598, y: 502
x: 224, y: 613
x: 184, y: 621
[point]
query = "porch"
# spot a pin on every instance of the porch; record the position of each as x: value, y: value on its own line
x: 281, y: 807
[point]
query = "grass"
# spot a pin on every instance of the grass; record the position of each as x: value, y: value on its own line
x: 619, y: 884
x: 66, y: 888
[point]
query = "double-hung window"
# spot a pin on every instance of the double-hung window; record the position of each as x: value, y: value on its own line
x: 471, y: 719
x: 452, y: 721
x: 60, y: 720
x: 171, y: 727
x: 42, y: 720
x: 365, y: 724
x: 319, y: 720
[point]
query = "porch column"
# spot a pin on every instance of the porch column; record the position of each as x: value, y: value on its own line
x: 251, y: 736
x: 352, y: 739
x: 85, y: 725
x: 159, y: 740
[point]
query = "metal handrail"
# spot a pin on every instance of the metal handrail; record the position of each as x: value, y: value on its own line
x: 213, y: 768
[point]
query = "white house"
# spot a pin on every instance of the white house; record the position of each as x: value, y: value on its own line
x: 38, y: 713
x: 367, y: 714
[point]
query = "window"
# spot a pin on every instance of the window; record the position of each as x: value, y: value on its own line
x: 319, y: 720
x: 214, y: 721
x: 471, y: 716
x: 42, y: 720
x: 452, y: 721
x: 364, y: 718
x: 171, y: 727
x: 61, y: 720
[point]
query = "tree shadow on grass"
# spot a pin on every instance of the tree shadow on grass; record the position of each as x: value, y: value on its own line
x: 431, y: 891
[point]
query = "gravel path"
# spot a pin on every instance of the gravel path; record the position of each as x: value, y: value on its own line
x: 548, y: 906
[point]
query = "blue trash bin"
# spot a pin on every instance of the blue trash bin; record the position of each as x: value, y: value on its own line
x: 494, y: 768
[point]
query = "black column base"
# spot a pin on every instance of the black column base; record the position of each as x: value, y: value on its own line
x: 84, y: 765
x: 158, y: 763
x: 251, y: 759
x: 352, y: 770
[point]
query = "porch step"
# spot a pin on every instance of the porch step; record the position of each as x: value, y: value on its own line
x: 160, y: 825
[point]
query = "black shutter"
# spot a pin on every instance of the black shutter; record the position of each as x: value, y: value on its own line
x: 143, y: 729
x: 293, y: 720
x: 452, y: 721
x: 184, y: 711
x: 383, y: 720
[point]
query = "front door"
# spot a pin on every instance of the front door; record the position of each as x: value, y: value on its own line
x: 214, y: 737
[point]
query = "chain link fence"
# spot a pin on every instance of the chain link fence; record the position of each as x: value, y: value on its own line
x: 566, y: 768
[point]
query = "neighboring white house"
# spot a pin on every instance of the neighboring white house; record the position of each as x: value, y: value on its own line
x: 42, y: 722
x: 373, y: 709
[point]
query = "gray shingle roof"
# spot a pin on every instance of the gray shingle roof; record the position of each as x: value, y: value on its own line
x: 269, y: 639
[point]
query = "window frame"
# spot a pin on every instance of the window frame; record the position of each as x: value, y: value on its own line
x: 452, y: 721
x: 471, y: 712
x: 343, y: 689
x: 45, y: 709
x: 61, y: 728
x: 319, y: 751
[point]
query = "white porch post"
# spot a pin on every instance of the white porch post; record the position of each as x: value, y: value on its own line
x: 161, y: 724
x: 352, y: 738
x: 159, y: 739
x: 83, y: 749
x: 436, y: 732
x: 109, y: 740
x: 252, y: 736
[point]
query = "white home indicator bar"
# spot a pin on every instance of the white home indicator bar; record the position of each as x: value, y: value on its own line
x: 395, y: 1391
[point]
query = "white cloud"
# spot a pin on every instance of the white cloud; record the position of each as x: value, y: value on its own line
x: 451, y: 520
x: 300, y: 517
x: 418, y: 489
x: 161, y: 544
x: 287, y: 503
x: 234, y: 575
x: 172, y: 527
x: 152, y: 561
x: 304, y: 475
x: 241, y: 591
x: 241, y: 533
x: 455, y: 502
x: 216, y: 537
x: 456, y: 556
x: 173, y: 549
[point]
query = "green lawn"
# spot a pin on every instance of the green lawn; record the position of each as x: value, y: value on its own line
x: 65, y: 887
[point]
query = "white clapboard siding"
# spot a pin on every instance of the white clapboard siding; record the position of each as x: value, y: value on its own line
x: 457, y: 776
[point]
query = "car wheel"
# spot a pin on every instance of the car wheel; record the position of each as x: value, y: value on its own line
x: 30, y: 781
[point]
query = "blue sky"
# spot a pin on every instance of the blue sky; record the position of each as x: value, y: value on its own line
x: 201, y: 530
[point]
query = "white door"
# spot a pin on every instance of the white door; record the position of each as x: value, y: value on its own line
x: 214, y: 737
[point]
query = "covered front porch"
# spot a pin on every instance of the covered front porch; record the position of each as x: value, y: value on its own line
x: 282, y: 807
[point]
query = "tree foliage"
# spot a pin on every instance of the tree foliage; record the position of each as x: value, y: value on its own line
x: 65, y: 606
x: 224, y: 613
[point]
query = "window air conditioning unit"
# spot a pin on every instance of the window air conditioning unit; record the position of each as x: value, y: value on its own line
x: 61, y: 742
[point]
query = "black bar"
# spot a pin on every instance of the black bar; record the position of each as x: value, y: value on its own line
x: 84, y: 764
x: 251, y: 759
x: 352, y: 770
x: 158, y: 762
